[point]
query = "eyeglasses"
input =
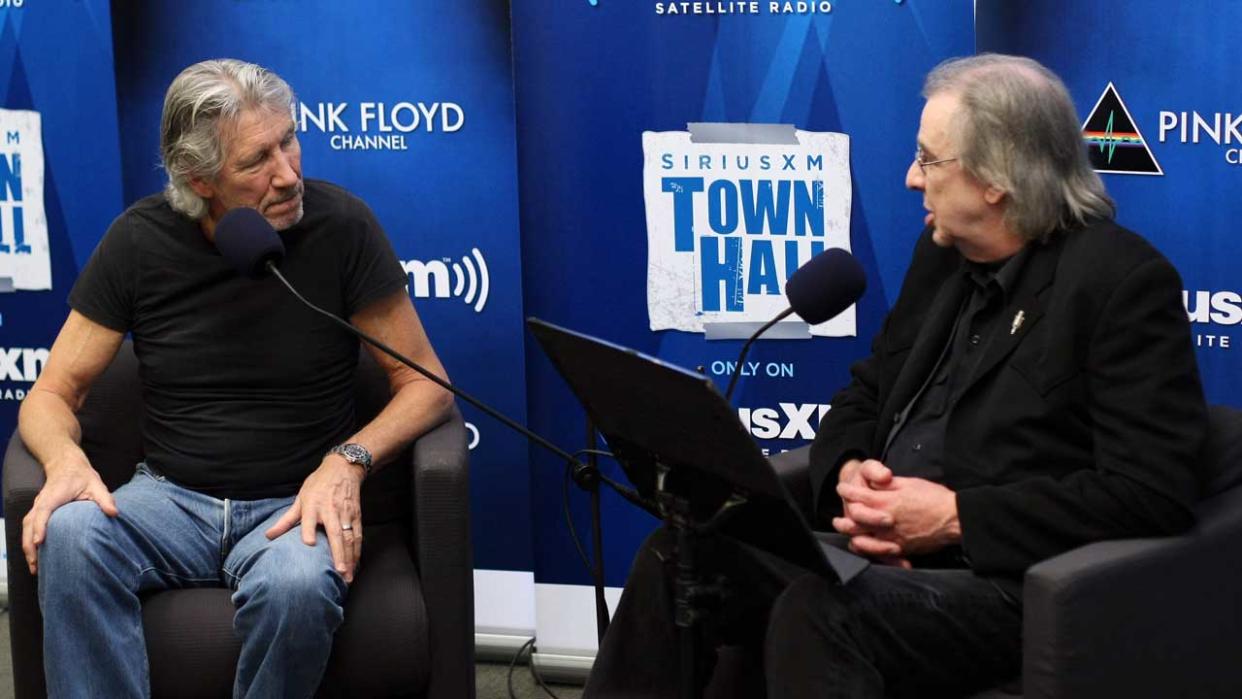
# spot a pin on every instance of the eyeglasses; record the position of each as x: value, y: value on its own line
x: 923, y: 164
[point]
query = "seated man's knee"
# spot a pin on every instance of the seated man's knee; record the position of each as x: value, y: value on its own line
x: 73, y: 532
x: 297, y: 574
x: 809, y: 602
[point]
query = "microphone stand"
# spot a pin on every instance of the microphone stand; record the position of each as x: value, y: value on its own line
x: 737, y: 368
x: 586, y: 475
x: 597, y: 536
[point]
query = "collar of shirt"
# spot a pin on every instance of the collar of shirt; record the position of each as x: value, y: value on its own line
x: 1003, y: 273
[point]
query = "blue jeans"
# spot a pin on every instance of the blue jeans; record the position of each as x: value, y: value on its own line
x: 92, y: 569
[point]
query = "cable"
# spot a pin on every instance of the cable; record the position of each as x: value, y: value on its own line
x: 513, y: 663
x: 597, y: 452
x: 622, y: 490
x: 569, y: 520
x: 530, y: 643
x: 534, y: 673
x: 625, y: 491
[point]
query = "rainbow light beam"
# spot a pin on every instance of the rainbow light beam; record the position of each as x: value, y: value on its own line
x: 1110, y: 140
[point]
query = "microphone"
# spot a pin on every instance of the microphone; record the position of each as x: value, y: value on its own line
x: 829, y: 283
x: 818, y: 291
x: 248, y: 242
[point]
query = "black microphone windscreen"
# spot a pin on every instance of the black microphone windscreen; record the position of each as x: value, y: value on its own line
x: 247, y: 241
x: 825, y: 286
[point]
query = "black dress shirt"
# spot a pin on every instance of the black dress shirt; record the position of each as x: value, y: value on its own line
x: 916, y: 447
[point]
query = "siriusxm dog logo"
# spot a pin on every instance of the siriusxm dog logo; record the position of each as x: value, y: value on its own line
x: 466, y: 279
x: 728, y: 223
x: 24, y: 260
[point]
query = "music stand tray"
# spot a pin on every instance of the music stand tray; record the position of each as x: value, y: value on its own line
x: 668, y: 425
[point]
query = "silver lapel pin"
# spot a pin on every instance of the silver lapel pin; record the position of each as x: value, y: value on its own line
x: 1017, y: 322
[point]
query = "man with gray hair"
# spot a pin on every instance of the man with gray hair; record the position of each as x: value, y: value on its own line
x: 252, y: 466
x: 1033, y: 389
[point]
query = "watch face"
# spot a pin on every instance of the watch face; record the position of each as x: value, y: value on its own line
x: 356, y: 453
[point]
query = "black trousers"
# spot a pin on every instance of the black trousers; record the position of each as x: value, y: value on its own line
x: 888, y: 633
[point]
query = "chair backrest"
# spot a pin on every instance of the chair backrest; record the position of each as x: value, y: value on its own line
x: 112, y: 415
x: 111, y: 419
x: 1223, y: 455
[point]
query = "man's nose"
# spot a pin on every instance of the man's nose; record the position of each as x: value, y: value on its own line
x: 914, y: 177
x: 285, y: 175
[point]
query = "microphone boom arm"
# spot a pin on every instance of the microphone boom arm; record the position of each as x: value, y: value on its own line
x: 582, y: 472
x: 737, y: 368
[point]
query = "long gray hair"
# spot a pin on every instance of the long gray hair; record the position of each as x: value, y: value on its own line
x: 198, y: 101
x: 1017, y: 130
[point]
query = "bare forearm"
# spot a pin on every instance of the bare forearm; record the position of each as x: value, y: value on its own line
x: 47, y: 423
x: 49, y: 428
x: 415, y: 408
x: 417, y: 404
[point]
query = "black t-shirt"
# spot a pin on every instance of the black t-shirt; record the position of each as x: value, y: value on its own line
x: 244, y: 387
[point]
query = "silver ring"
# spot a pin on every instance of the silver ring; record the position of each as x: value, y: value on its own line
x: 347, y: 527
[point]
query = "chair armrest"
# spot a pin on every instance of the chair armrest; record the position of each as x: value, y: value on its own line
x: 23, y: 479
x: 793, y: 467
x: 1139, y: 617
x: 445, y: 556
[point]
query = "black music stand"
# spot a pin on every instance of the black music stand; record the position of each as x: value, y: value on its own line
x: 682, y: 446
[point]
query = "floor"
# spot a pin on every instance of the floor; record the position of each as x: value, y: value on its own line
x: 6, y: 658
x: 491, y: 683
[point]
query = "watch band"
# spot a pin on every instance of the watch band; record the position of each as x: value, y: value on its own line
x: 354, y: 454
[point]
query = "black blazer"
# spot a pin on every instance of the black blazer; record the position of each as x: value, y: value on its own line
x: 1084, y: 423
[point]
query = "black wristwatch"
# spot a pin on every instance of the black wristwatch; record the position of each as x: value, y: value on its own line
x: 354, y: 454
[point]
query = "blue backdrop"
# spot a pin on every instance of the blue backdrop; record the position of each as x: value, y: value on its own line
x: 69, y: 82
x: 1174, y: 68
x: 412, y: 106
x: 591, y: 78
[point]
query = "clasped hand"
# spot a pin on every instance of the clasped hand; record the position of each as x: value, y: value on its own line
x: 889, y: 518
x: 330, y: 497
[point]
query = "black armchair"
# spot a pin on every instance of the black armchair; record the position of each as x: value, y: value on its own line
x: 1155, y: 617
x: 409, y: 618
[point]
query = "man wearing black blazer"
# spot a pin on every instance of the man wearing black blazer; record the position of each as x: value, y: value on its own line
x: 1078, y: 422
x: 1033, y: 389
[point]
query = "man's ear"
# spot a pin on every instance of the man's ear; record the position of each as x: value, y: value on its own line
x: 202, y: 187
x: 993, y: 195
